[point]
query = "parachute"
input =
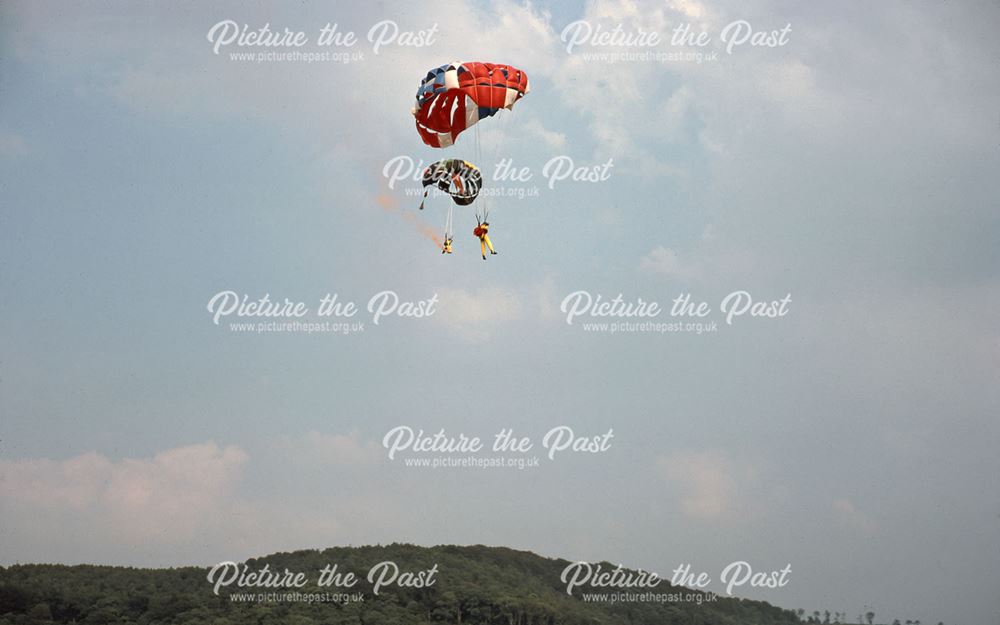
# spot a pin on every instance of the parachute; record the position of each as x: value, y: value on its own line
x: 451, y: 99
x: 459, y: 179
x: 454, y: 97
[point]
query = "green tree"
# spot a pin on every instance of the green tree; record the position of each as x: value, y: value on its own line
x: 40, y: 613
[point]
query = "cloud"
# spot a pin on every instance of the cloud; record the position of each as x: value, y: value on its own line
x: 337, y: 449
x: 181, y: 506
x: 665, y: 261
x: 552, y: 139
x: 549, y: 297
x: 706, y: 481
x: 12, y: 145
x: 636, y: 112
x: 138, y: 498
x: 848, y: 515
x: 689, y: 8
x: 476, y: 314
x: 708, y: 258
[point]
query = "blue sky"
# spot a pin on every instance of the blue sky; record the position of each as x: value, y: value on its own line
x: 853, y: 168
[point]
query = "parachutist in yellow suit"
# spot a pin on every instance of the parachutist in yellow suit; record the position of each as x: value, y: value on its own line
x: 482, y: 231
x: 446, y: 247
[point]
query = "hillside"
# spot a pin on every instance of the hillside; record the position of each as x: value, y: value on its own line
x: 472, y: 585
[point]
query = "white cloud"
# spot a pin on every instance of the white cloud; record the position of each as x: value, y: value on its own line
x: 183, y: 505
x: 552, y: 139
x: 12, y: 145
x: 474, y: 315
x: 549, y: 297
x: 665, y: 261
x: 338, y: 449
x: 708, y: 484
x: 633, y: 108
x: 689, y: 8
x: 850, y: 516
x: 178, y: 490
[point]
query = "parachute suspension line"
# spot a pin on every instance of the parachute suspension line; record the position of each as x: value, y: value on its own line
x: 479, y: 159
x: 485, y: 198
x: 501, y: 128
x: 448, y: 231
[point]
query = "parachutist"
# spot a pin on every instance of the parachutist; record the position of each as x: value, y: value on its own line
x: 482, y: 232
x: 446, y: 247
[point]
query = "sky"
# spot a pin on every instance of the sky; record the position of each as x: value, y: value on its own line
x: 852, y: 168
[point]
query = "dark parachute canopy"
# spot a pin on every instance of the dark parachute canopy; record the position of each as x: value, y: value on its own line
x: 460, y: 179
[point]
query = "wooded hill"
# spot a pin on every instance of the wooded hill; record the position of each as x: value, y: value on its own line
x: 472, y: 585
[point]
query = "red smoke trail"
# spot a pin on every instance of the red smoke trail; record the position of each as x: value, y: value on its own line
x: 390, y: 204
